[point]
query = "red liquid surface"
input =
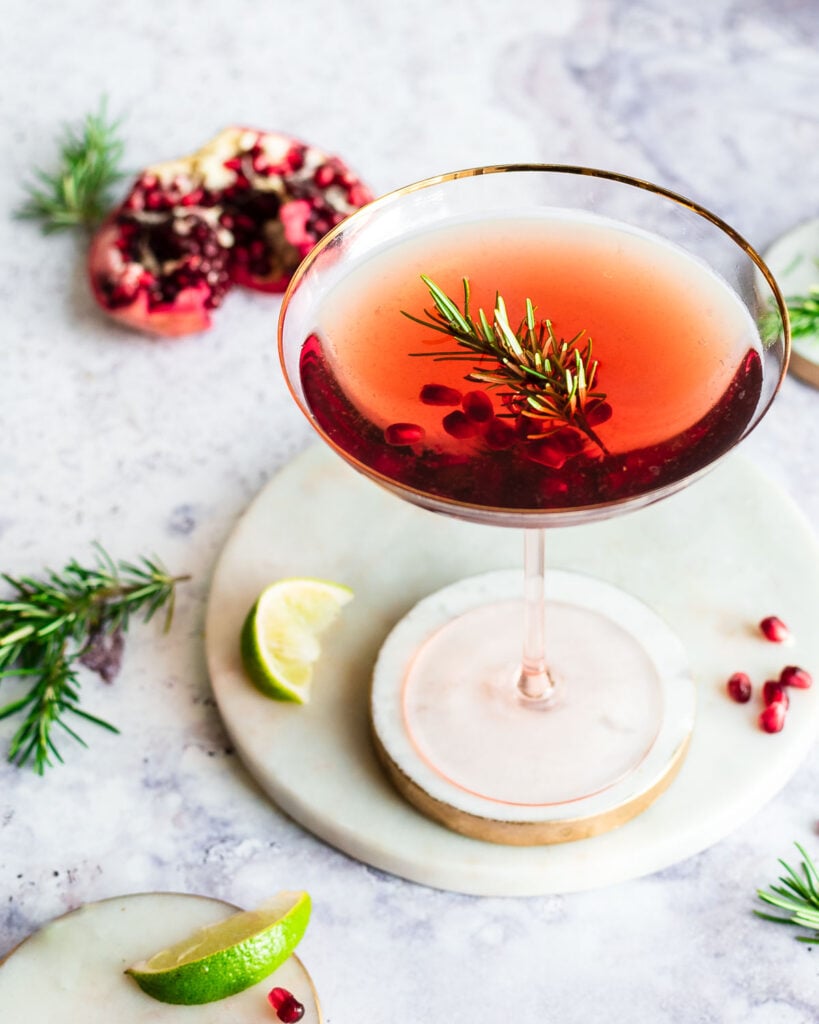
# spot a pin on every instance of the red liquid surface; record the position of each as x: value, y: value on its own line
x: 678, y: 362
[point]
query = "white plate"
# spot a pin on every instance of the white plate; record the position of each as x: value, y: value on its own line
x: 72, y: 969
x: 712, y: 561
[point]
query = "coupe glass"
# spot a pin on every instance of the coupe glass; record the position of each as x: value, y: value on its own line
x: 525, y: 708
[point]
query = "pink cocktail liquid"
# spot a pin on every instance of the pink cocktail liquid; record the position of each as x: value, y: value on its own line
x: 678, y: 360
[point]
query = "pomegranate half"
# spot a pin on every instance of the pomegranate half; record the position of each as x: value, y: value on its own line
x: 245, y: 209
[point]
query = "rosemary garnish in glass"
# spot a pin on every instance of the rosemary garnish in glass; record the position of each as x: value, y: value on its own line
x: 547, y: 380
x: 51, y: 626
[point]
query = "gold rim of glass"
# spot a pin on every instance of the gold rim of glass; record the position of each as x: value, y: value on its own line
x: 426, y: 498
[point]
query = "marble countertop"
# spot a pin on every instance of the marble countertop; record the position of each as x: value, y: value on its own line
x: 159, y: 447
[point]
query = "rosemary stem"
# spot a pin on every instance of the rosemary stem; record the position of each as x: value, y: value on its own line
x: 534, y: 683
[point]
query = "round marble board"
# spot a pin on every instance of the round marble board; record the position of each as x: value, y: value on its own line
x: 712, y: 561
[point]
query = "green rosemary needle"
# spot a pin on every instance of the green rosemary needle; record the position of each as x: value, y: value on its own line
x: 803, y: 313
x: 547, y: 380
x: 797, y: 896
x: 77, y: 193
x: 51, y: 626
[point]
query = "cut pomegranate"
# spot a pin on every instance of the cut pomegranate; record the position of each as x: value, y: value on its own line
x: 797, y: 677
x: 772, y: 719
x: 773, y: 692
x: 245, y: 209
x: 287, y: 1007
x: 775, y: 630
x: 739, y: 687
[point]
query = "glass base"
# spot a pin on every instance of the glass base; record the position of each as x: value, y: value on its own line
x: 469, y: 749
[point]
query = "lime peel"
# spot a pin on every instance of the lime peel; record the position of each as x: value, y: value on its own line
x: 222, y: 959
x: 279, y: 641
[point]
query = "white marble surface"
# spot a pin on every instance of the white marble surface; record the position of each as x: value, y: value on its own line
x: 159, y: 447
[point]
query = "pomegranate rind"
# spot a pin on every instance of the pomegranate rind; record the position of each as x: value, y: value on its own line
x: 245, y: 209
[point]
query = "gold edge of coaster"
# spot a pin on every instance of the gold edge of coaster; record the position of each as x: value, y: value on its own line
x: 526, y: 833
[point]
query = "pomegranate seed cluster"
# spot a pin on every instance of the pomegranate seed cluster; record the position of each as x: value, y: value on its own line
x: 245, y: 209
x: 775, y: 692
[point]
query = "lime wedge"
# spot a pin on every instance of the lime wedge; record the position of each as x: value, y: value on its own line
x: 279, y: 640
x: 227, y: 957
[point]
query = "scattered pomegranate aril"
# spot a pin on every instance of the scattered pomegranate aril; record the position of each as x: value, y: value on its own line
x: 287, y: 1007
x: 773, y: 692
x: 739, y: 687
x: 403, y: 434
x: 772, y: 718
x: 245, y: 209
x: 797, y: 677
x: 439, y: 394
x: 775, y: 630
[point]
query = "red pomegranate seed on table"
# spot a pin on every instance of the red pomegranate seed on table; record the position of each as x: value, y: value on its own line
x: 287, y: 1007
x: 739, y: 687
x: 773, y: 692
x: 772, y: 719
x: 775, y: 630
x: 797, y: 677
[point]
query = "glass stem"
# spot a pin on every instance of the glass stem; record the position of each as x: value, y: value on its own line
x: 534, y: 682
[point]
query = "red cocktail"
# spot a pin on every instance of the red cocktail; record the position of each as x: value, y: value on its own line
x: 533, y: 346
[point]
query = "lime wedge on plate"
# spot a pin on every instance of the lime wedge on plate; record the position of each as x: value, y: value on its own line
x: 227, y: 957
x: 279, y: 641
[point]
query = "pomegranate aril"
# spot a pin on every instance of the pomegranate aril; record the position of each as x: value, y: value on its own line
x: 499, y: 434
x: 287, y: 1007
x: 797, y: 677
x: 775, y: 630
x: 772, y: 719
x: 324, y: 176
x: 439, y: 394
x: 458, y: 425
x: 547, y: 452
x: 403, y: 433
x: 773, y: 692
x: 597, y: 412
x: 478, y: 406
x: 739, y: 687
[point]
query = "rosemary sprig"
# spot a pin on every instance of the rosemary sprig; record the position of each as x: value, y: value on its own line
x: 51, y: 626
x: 803, y: 313
x: 798, y: 896
x: 76, y: 194
x: 547, y: 380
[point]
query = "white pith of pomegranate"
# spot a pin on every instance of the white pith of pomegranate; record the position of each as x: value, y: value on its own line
x: 245, y: 209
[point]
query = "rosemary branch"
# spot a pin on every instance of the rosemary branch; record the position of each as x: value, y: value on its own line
x: 77, y: 193
x: 545, y: 379
x: 798, y: 896
x: 51, y: 626
x: 803, y: 313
